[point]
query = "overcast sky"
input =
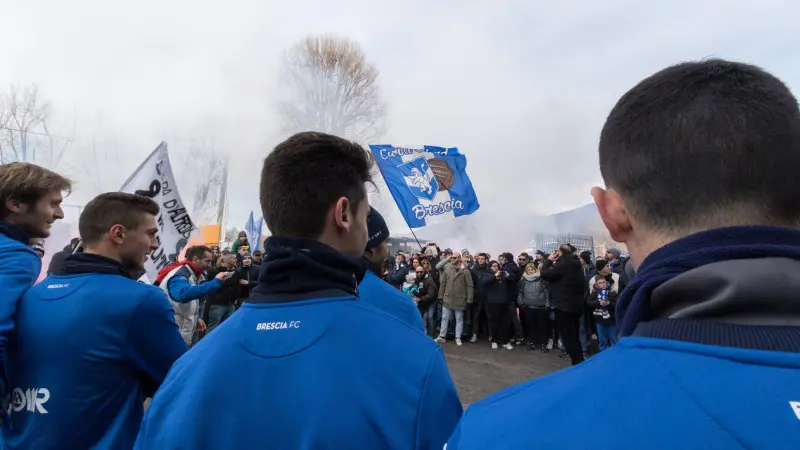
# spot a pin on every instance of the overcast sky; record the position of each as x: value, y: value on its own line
x: 522, y: 89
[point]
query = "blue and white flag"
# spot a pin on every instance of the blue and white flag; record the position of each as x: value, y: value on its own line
x: 253, y: 229
x: 429, y: 184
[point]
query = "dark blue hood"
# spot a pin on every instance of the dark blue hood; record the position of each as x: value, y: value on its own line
x: 14, y: 232
x: 301, y: 269
x: 82, y: 263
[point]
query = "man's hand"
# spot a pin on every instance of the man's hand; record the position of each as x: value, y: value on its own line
x: 605, y: 303
x: 553, y: 256
x: 222, y: 276
x: 416, y: 299
x: 201, y: 326
x: 244, y: 282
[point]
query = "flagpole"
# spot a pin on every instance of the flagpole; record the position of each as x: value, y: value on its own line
x: 415, y: 238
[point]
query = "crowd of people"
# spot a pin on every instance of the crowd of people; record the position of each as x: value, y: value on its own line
x: 334, y: 346
x: 563, y: 299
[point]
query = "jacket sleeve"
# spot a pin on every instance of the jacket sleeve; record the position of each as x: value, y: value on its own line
x: 486, y: 280
x: 182, y: 292
x: 592, y: 300
x: 430, y: 292
x: 397, y: 276
x: 520, y: 294
x: 470, y: 287
x: 440, y: 265
x: 153, y: 341
x: 442, y: 284
x: 612, y: 298
x: 18, y: 272
x: 439, y: 409
x: 550, y: 271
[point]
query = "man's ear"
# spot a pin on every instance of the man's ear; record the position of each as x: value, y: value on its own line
x: 613, y: 212
x: 16, y: 206
x: 342, y: 215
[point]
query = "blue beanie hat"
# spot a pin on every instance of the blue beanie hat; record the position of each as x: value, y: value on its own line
x: 376, y: 229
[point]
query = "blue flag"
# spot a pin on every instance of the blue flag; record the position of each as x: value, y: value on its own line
x: 253, y: 230
x: 259, y: 232
x: 429, y: 184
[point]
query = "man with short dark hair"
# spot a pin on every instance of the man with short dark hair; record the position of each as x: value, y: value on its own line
x: 700, y: 163
x: 328, y: 370
x: 373, y: 290
x: 184, y: 283
x: 257, y: 258
x: 30, y: 201
x: 91, y: 343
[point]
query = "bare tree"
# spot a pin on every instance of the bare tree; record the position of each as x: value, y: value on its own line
x: 204, y: 168
x: 24, y: 134
x: 330, y: 87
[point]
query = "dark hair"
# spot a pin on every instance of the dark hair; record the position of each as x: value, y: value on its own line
x: 113, y: 208
x: 305, y: 175
x: 600, y: 264
x: 705, y: 144
x: 27, y: 183
x: 196, y: 251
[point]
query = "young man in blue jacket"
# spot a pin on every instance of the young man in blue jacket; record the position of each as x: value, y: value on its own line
x: 305, y: 364
x: 91, y: 343
x: 373, y: 290
x: 31, y: 199
x: 700, y: 162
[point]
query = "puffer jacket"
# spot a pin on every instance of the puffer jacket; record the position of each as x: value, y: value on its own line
x: 456, y: 288
x: 186, y: 314
x: 533, y: 294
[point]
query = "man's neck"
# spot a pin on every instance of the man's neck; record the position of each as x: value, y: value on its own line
x: 103, y: 252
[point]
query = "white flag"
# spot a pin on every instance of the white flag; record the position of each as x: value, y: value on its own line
x: 154, y: 179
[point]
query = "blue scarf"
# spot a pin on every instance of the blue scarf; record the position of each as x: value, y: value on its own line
x: 691, y: 252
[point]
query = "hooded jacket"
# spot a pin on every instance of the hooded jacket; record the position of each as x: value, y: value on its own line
x: 89, y: 346
x: 328, y: 370
x: 455, y: 288
x: 19, y: 268
x: 713, y: 361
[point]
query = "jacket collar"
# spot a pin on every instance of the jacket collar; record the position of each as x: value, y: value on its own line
x: 84, y: 263
x: 739, y: 303
x: 301, y: 269
x: 14, y: 232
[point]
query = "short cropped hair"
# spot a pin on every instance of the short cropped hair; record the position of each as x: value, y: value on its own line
x: 27, y: 183
x: 196, y: 251
x: 305, y: 175
x: 112, y: 208
x: 706, y: 144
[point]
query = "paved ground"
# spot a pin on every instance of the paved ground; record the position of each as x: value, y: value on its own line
x: 478, y: 371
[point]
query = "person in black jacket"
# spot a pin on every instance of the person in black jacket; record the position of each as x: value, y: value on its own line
x: 222, y: 303
x: 498, y: 286
x: 397, y: 272
x: 514, y: 271
x: 479, y: 317
x: 249, y: 277
x: 425, y: 297
x: 568, y: 287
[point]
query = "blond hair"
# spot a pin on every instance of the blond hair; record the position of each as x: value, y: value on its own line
x: 27, y: 183
x: 226, y: 260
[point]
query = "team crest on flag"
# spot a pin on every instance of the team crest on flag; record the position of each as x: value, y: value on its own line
x: 429, y: 184
x: 419, y: 178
